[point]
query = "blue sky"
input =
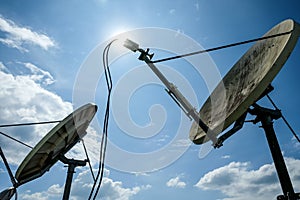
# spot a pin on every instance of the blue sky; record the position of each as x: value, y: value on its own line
x: 45, y: 47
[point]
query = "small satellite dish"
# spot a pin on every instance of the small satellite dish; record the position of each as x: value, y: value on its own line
x: 247, y: 80
x: 55, y: 144
x: 8, y: 193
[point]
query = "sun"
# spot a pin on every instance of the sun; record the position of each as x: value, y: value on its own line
x: 118, y: 30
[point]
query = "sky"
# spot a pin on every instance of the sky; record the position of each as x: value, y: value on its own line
x: 51, y: 64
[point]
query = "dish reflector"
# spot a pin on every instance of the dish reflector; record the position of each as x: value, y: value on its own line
x: 8, y: 193
x: 247, y: 80
x: 57, y: 142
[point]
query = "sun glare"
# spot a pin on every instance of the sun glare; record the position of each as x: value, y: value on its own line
x: 118, y: 30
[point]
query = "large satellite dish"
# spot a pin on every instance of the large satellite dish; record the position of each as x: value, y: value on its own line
x: 55, y: 144
x: 247, y: 80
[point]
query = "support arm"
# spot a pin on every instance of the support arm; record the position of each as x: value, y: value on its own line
x: 176, y: 95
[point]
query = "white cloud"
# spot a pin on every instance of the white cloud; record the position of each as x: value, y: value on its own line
x: 39, y: 75
x: 53, y: 192
x: 197, y: 6
x: 2, y: 171
x: 40, y: 196
x: 81, y: 187
x: 17, y: 36
x: 172, y: 11
x: 114, y: 190
x: 182, y: 143
x: 13, y: 44
x: 3, y: 67
x: 176, y: 182
x: 23, y: 100
x: 295, y: 143
x: 141, y: 174
x: 237, y: 181
x: 110, y: 189
x: 226, y: 157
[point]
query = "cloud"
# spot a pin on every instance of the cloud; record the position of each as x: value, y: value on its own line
x: 3, y: 67
x: 23, y: 99
x: 35, y: 73
x: 114, y: 190
x: 296, y: 143
x: 140, y: 173
x: 53, y: 192
x: 172, y: 11
x: 2, y: 171
x: 176, y: 182
x: 237, y: 181
x: 39, y: 75
x: 182, y: 143
x: 17, y: 36
x: 226, y: 157
x: 81, y: 187
x: 40, y: 196
x: 197, y: 6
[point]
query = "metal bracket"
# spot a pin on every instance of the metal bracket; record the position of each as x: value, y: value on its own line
x: 187, y: 113
x: 72, y: 164
x: 236, y: 127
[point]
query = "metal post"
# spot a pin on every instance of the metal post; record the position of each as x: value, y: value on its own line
x: 72, y: 164
x: 68, y: 183
x: 266, y: 117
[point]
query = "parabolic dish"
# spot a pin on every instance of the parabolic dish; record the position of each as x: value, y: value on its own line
x: 246, y: 80
x: 57, y: 142
x: 8, y: 193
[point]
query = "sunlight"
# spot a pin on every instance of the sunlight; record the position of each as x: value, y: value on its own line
x: 118, y: 30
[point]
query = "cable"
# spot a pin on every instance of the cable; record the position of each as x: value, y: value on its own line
x: 105, y: 124
x: 11, y: 176
x: 23, y: 124
x: 16, y: 140
x: 221, y: 47
x: 109, y: 87
x: 87, y: 156
x: 284, y: 119
x: 28, y: 124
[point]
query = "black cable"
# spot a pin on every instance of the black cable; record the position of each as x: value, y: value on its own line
x: 11, y: 176
x: 105, y: 124
x: 284, y: 119
x: 109, y: 87
x: 221, y: 47
x: 24, y: 124
x: 10, y: 137
x: 89, y: 161
x: 28, y: 124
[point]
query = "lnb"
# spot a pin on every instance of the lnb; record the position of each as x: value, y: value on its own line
x: 131, y: 45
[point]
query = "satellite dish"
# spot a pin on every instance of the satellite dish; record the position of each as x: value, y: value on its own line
x: 247, y: 80
x: 55, y: 144
x: 8, y: 193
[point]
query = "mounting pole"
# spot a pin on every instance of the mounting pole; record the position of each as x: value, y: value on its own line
x: 266, y: 117
x: 72, y: 164
x: 176, y: 95
x: 172, y: 90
